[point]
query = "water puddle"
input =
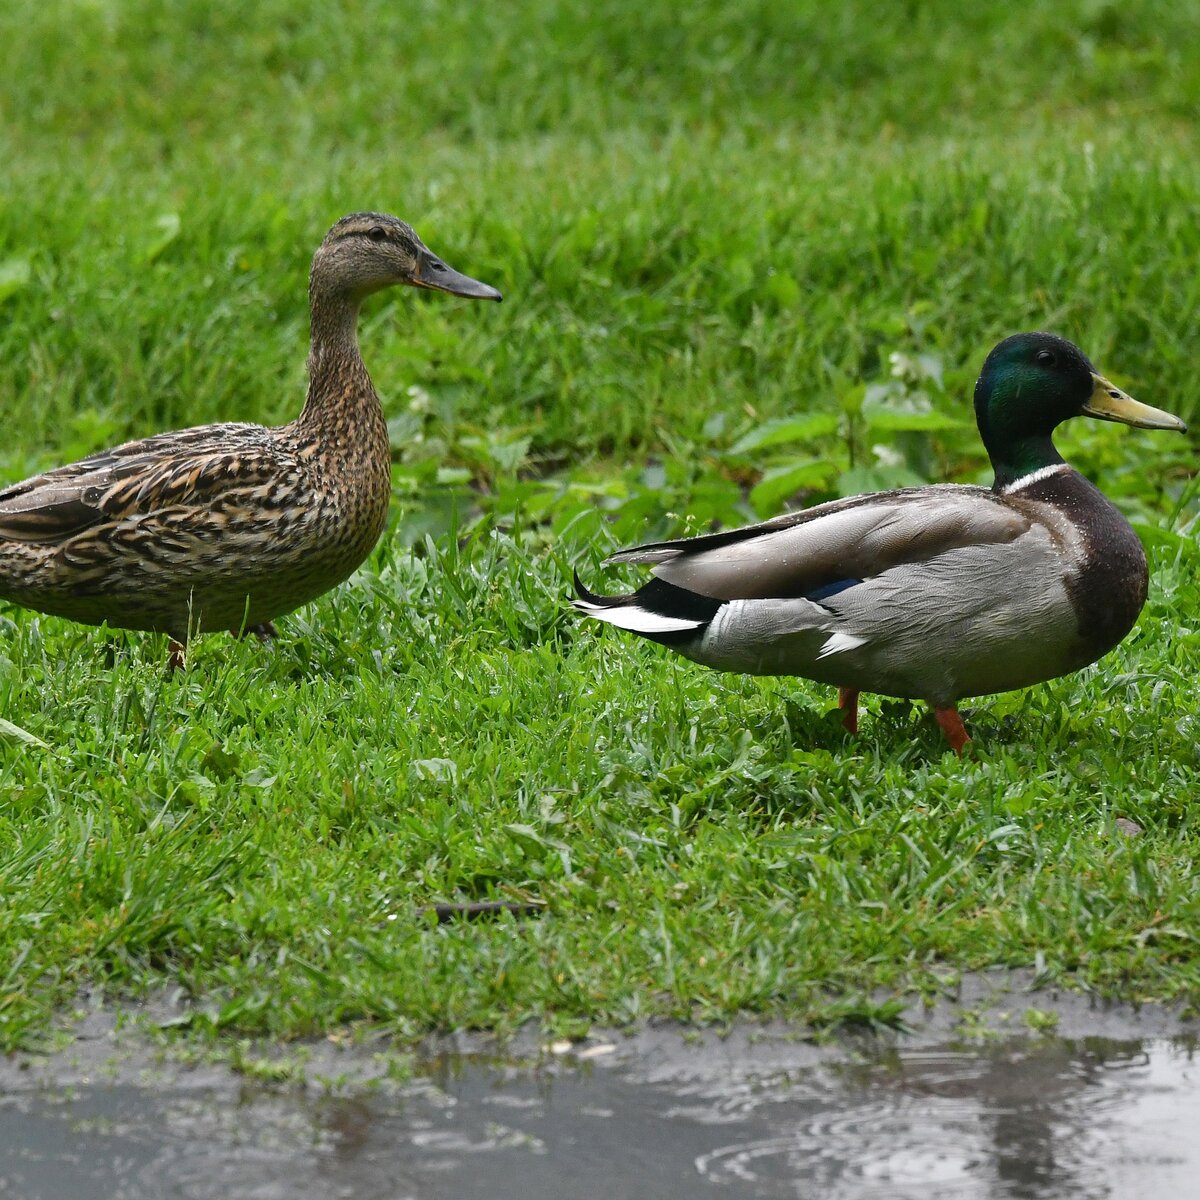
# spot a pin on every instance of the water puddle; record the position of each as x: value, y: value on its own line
x: 1022, y: 1117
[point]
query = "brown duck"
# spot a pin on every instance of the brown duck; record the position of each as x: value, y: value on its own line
x: 229, y: 526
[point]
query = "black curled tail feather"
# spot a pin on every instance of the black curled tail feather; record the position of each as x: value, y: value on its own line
x: 593, y: 598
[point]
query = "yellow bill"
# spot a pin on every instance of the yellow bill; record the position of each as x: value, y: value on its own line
x: 1109, y: 403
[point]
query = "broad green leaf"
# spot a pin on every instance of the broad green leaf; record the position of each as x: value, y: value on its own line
x: 893, y: 407
x: 617, y: 487
x: 508, y: 456
x: 15, y: 273
x: 442, y: 770
x: 783, y: 289
x: 776, y: 485
x: 876, y: 479
x: 854, y: 398
x: 901, y: 421
x: 1159, y: 535
x: 14, y: 733
x: 403, y: 429
x: 786, y: 429
x: 166, y: 230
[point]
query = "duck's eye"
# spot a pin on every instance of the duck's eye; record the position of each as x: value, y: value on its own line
x: 1045, y: 358
x: 377, y: 233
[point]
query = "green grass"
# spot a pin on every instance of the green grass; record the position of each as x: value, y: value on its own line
x: 706, y: 224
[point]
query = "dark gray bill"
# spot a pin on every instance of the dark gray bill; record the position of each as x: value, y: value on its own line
x: 433, y: 273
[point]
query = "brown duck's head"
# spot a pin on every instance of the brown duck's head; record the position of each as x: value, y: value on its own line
x: 365, y: 252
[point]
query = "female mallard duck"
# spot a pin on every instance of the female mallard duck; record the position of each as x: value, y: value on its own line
x: 228, y: 526
x: 931, y: 593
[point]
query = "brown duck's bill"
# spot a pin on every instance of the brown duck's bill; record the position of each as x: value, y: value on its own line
x: 1109, y: 403
x: 434, y: 274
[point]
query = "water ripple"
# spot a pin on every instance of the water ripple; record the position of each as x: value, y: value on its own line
x: 1029, y: 1119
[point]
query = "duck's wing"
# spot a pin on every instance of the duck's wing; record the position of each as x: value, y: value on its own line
x: 815, y: 552
x: 188, y: 467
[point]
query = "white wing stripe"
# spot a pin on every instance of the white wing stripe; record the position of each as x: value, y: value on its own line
x: 839, y: 643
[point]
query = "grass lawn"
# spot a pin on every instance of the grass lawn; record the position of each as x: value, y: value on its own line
x: 752, y: 256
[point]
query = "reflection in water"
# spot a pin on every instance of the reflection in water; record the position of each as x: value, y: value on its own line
x: 1020, y: 1118
x: 1044, y: 1119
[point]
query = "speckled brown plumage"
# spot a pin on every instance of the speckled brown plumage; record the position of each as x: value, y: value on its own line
x: 228, y: 526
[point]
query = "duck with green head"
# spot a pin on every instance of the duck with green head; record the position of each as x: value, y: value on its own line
x: 933, y: 593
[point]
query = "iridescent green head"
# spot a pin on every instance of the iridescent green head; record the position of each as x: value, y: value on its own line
x: 1029, y: 385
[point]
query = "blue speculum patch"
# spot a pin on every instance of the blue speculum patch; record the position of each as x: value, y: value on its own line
x: 831, y: 589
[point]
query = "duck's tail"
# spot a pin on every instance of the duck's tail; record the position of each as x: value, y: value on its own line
x: 659, y: 611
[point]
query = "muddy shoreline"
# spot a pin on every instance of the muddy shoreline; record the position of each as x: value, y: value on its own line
x: 1001, y: 1093
x: 124, y: 1043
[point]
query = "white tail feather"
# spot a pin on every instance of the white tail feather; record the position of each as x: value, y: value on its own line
x: 639, y: 620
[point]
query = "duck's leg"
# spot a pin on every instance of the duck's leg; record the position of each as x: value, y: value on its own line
x: 177, y: 659
x: 264, y: 631
x: 953, y: 728
x: 848, y: 700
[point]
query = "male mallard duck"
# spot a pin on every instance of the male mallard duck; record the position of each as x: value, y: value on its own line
x: 228, y: 526
x: 930, y: 593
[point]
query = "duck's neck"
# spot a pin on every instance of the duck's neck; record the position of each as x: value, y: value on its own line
x: 340, y: 392
x: 1017, y: 459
